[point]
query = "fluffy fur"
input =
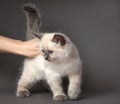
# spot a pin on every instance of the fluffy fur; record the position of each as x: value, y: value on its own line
x: 59, y: 57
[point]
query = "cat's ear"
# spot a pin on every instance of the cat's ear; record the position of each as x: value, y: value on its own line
x: 37, y: 35
x: 59, y: 39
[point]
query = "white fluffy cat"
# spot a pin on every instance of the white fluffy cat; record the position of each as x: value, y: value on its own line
x: 59, y: 57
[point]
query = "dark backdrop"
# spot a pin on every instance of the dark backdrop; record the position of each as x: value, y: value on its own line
x: 93, y: 25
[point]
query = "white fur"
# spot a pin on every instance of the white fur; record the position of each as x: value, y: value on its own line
x: 68, y: 63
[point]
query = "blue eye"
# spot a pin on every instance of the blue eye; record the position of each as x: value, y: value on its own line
x: 50, y: 51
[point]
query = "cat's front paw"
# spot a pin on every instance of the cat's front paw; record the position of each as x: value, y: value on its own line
x: 23, y: 94
x: 61, y: 97
x: 73, y: 95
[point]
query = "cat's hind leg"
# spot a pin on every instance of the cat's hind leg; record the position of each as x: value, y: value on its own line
x: 74, y: 88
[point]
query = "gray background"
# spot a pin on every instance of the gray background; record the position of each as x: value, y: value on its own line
x: 93, y: 25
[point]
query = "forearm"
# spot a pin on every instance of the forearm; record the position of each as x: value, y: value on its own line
x: 28, y: 48
x: 8, y: 45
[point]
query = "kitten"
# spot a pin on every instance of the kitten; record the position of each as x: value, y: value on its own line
x: 59, y: 57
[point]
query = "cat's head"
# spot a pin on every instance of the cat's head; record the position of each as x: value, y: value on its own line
x: 54, y: 46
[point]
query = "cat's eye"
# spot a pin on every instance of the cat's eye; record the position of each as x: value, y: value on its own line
x: 50, y: 51
x: 43, y: 51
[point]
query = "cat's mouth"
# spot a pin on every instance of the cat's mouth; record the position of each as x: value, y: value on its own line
x: 50, y: 59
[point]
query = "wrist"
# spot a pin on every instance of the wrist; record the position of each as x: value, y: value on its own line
x: 18, y: 49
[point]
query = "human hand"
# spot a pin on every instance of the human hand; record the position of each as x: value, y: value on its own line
x: 29, y: 48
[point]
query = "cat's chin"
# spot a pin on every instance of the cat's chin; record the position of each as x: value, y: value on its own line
x: 51, y: 59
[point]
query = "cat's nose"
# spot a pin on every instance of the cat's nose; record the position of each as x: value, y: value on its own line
x: 46, y: 58
x: 46, y: 55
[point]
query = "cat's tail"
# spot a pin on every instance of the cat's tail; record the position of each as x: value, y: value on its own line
x: 33, y: 19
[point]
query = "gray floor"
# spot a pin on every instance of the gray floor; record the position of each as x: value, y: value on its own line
x: 46, y: 98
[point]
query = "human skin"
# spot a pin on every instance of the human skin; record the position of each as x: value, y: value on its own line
x: 28, y: 48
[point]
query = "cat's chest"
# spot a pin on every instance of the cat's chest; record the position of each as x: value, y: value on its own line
x: 44, y: 67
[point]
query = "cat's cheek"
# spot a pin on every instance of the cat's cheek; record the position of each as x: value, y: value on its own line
x: 52, y: 59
